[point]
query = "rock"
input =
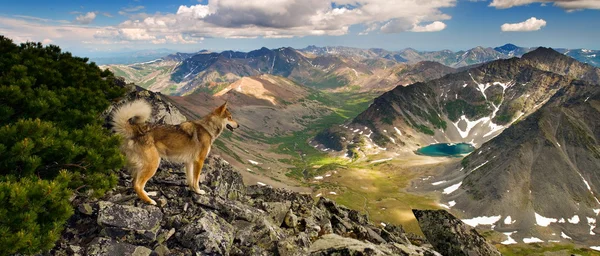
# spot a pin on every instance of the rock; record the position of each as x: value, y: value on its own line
x: 164, y: 236
x: 75, y: 250
x: 163, y: 112
x: 290, y: 220
x: 162, y: 250
x: 85, y: 209
x: 261, y: 233
x: 124, y: 221
x: 333, y: 244
x: 450, y: 236
x: 277, y: 210
x: 292, y: 246
x: 104, y: 246
x: 222, y: 180
x: 210, y: 234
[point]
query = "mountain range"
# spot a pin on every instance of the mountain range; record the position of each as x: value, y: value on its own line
x: 328, y: 68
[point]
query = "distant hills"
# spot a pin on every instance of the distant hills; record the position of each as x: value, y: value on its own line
x: 328, y: 68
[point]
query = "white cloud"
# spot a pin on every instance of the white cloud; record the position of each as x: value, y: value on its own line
x: 133, y: 8
x: 289, y: 18
x: 135, y: 34
x: 433, y: 27
x: 565, y: 4
x: 532, y: 24
x: 86, y: 19
x: 47, y: 41
x: 188, y: 24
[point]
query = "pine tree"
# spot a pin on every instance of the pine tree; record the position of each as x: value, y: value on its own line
x: 51, y: 140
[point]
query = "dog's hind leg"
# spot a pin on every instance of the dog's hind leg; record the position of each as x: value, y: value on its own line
x: 189, y: 174
x: 152, y: 160
x: 198, y: 164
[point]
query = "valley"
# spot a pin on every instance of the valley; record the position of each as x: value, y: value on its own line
x: 348, y: 130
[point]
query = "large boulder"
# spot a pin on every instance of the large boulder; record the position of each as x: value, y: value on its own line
x: 451, y: 236
x: 126, y: 222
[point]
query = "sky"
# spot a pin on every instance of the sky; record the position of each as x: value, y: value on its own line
x: 96, y: 28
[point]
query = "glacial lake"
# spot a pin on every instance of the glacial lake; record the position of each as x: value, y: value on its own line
x: 446, y: 149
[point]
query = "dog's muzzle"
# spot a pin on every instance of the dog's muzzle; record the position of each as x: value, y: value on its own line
x: 230, y: 127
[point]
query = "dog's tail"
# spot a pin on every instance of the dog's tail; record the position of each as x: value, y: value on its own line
x: 128, y: 116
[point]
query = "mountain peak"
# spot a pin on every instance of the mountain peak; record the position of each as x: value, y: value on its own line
x: 508, y: 47
x: 543, y: 52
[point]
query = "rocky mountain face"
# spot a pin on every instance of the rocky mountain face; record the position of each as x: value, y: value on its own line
x: 534, y: 122
x: 231, y: 219
x: 541, y: 177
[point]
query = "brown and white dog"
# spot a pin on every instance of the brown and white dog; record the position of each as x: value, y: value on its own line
x: 145, y: 144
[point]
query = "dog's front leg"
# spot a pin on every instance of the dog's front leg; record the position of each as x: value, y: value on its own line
x: 198, y: 164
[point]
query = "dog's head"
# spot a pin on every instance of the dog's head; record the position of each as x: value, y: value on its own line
x: 225, y: 115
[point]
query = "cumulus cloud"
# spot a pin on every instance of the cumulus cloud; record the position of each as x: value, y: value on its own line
x: 289, y: 18
x: 532, y: 24
x: 565, y: 4
x: 188, y: 24
x: 86, y: 19
x: 433, y: 27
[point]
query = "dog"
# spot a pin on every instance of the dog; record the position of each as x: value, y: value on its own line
x: 144, y: 144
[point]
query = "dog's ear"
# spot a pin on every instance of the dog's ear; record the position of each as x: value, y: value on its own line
x: 221, y: 110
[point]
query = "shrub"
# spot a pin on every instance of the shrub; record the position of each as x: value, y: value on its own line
x: 51, y: 140
x: 33, y: 213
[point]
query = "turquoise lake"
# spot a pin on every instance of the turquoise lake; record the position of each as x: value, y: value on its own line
x: 445, y: 149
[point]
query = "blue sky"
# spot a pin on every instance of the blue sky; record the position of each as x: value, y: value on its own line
x: 103, y: 27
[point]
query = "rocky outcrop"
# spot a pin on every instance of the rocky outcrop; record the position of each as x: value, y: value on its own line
x: 231, y: 219
x: 450, y: 236
x: 163, y: 112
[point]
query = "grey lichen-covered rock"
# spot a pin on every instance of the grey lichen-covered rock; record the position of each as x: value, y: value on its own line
x: 128, y: 223
x: 210, y: 235
x: 108, y: 247
x: 333, y: 244
x: 220, y: 177
x: 130, y: 217
x: 450, y: 236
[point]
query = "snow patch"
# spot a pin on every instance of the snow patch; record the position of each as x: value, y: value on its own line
x: 452, y: 188
x: 574, y: 219
x: 563, y: 235
x: 597, y: 248
x: 452, y: 203
x: 260, y: 183
x: 318, y: 195
x: 253, y: 162
x: 332, y: 193
x: 532, y: 240
x: 508, y: 220
x: 509, y: 240
x: 398, y: 131
x: 543, y: 221
x: 479, y: 166
x: 474, y: 222
x: 318, y: 178
x: 438, y: 182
